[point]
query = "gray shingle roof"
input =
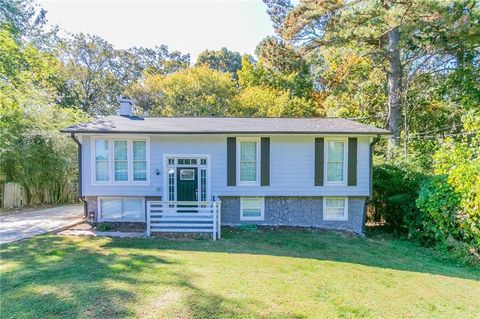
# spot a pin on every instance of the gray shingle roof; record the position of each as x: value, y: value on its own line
x: 216, y: 125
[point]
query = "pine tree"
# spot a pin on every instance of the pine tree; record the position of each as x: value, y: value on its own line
x: 402, y: 37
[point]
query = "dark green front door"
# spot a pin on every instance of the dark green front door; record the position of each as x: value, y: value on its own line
x: 187, y: 184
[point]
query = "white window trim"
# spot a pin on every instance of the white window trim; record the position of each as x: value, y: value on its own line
x: 257, y: 180
x: 99, y: 205
x: 343, y: 182
x: 249, y: 218
x: 199, y: 166
x: 111, y: 161
x: 345, y: 210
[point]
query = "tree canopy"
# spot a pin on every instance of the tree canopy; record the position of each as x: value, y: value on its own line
x: 198, y: 91
x: 222, y: 60
x: 402, y: 38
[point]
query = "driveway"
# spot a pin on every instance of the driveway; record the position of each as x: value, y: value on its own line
x: 22, y: 225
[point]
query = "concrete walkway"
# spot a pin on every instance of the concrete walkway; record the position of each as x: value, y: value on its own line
x: 22, y: 225
x: 95, y: 233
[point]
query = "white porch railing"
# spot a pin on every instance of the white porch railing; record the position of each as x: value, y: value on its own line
x: 184, y: 217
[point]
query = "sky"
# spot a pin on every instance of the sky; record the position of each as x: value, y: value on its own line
x: 187, y: 26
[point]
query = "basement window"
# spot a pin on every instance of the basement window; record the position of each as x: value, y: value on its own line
x: 335, y: 208
x: 126, y: 209
x: 252, y: 208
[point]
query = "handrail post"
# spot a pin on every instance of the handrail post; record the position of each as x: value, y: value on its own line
x: 214, y: 230
x: 219, y: 219
x: 148, y: 218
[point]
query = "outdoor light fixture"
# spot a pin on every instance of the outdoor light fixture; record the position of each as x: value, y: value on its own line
x: 157, y: 171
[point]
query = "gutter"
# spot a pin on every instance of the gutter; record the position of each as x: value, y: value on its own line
x: 370, y: 191
x: 374, y: 141
x: 80, y: 177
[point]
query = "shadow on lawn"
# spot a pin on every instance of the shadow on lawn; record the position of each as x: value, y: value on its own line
x: 321, y: 245
x: 54, y: 276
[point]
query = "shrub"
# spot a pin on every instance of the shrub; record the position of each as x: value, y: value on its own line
x: 450, y: 200
x: 395, y: 189
x: 438, y: 204
x: 104, y: 227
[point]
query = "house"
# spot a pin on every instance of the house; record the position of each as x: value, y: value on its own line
x: 170, y: 174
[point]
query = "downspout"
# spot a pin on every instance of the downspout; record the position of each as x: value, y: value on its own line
x: 80, y: 177
x: 370, y: 183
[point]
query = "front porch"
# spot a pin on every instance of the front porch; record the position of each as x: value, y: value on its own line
x: 184, y: 217
x: 187, y: 187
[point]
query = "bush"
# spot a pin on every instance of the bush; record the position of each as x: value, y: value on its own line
x: 438, y: 204
x: 104, y: 227
x: 395, y: 189
x: 449, y: 202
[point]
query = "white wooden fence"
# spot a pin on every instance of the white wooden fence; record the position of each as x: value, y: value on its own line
x: 184, y: 217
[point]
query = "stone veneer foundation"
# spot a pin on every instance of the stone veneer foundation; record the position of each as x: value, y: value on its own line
x: 296, y: 211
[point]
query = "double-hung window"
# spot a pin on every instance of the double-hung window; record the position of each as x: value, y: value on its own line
x: 120, y: 157
x: 336, y: 161
x: 252, y: 208
x: 335, y: 208
x: 122, y: 161
x: 248, y: 152
x: 139, y: 160
x: 102, y: 163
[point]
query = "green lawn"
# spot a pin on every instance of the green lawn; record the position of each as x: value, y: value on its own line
x: 266, y: 274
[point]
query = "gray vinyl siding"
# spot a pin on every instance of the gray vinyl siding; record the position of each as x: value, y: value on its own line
x: 292, y: 160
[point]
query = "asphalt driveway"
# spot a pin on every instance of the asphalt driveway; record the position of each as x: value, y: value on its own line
x: 22, y: 225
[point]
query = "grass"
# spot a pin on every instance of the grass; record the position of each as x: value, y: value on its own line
x: 260, y: 274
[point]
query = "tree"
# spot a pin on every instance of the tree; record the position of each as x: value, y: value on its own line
x: 96, y: 75
x: 26, y: 20
x: 401, y: 37
x: 222, y: 60
x: 198, y: 91
x: 276, y: 55
x: 157, y: 60
x: 255, y: 74
x: 32, y: 150
x: 353, y: 88
x: 257, y: 101
x: 90, y: 83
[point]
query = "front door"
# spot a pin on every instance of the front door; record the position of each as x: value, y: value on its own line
x: 187, y: 184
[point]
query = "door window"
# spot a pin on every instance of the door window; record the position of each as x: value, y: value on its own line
x: 187, y: 174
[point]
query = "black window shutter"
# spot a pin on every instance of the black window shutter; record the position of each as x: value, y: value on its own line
x: 319, y: 161
x: 352, y: 161
x: 231, y: 161
x: 265, y: 161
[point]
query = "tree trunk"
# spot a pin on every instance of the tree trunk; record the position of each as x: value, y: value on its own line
x: 394, y: 89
